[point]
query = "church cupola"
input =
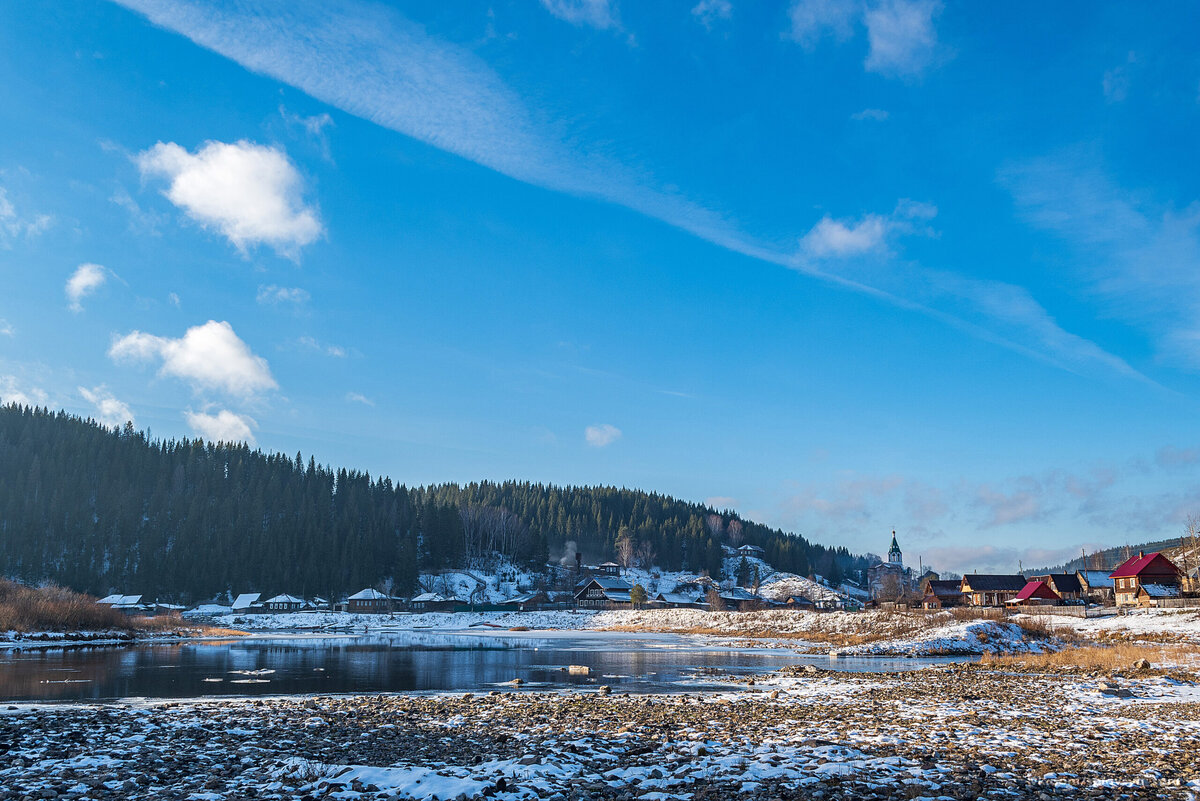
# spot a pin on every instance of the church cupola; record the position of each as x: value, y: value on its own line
x: 895, y: 557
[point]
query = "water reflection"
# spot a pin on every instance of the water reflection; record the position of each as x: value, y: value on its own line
x: 411, y: 661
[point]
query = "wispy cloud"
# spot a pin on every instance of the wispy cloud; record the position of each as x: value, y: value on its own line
x: 6, y: 328
x: 209, y: 357
x: 601, y: 435
x: 710, y: 12
x: 599, y: 14
x: 1141, y: 254
x: 310, y: 343
x: 272, y: 294
x: 901, y: 35
x: 875, y: 114
x: 86, y: 279
x: 15, y: 225
x: 355, y: 397
x: 252, y: 194
x: 370, y: 61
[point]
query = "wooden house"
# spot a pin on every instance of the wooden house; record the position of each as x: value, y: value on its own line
x: 737, y: 599
x: 991, y: 589
x: 247, y: 602
x: 680, y: 600
x: 369, y: 602
x: 283, y: 603
x: 1036, y: 592
x: 752, y: 551
x: 603, y: 592
x: 941, y: 594
x: 1153, y: 568
x: 1096, y: 585
x: 609, y: 569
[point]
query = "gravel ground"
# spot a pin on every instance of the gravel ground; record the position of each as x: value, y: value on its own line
x: 965, y: 731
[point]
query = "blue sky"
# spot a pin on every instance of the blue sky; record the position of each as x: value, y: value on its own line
x: 843, y: 266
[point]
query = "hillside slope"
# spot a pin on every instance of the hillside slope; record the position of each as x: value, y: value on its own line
x: 102, y: 510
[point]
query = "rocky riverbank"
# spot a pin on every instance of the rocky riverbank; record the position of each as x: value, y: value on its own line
x: 951, y: 732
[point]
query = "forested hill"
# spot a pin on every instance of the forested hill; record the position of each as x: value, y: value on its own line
x: 102, y: 510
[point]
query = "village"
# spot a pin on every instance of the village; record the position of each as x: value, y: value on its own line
x: 1143, y: 580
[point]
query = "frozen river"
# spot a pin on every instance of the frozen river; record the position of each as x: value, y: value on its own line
x: 282, y: 664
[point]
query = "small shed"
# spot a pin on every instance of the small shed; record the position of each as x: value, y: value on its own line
x: 526, y: 602
x: 1150, y: 595
x: 751, y: 551
x: 432, y: 602
x: 737, y: 599
x: 609, y: 569
x: 1035, y: 593
x: 679, y: 600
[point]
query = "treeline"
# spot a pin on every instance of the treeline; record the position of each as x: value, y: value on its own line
x: 101, y: 510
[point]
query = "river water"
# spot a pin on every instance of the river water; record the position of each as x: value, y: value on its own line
x: 393, y: 662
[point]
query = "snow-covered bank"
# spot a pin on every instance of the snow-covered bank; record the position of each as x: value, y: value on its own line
x: 950, y: 732
x: 850, y: 633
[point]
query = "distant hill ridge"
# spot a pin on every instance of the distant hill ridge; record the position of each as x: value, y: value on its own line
x: 100, y: 510
x: 1178, y: 549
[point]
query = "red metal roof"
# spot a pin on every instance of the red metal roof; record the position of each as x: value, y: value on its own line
x: 1135, y: 565
x: 1036, y: 589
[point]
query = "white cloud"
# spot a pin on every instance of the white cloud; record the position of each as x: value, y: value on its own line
x: 174, y: 300
x: 812, y: 19
x: 707, y: 12
x: 15, y: 226
x: 354, y: 397
x: 109, y: 411
x: 224, y: 426
x: 831, y: 238
x: 281, y: 294
x: 599, y: 436
x: 598, y: 14
x: 209, y: 356
x: 252, y: 194
x: 86, y: 279
x: 12, y: 392
x: 6, y: 329
x: 721, y: 502
x: 875, y: 114
x: 902, y: 38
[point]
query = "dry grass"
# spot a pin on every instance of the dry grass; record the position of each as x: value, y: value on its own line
x: 1102, y: 657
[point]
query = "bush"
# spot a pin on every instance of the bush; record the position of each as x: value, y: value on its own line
x: 53, y: 608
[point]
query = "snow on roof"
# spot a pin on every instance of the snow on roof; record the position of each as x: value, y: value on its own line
x: 678, y: 598
x: 739, y: 594
x: 607, y: 583
x: 524, y: 599
x: 115, y: 598
x: 1097, y: 578
x: 128, y: 600
x: 431, y: 597
x: 751, y: 549
x: 618, y: 596
x: 609, y: 564
x: 246, y: 600
x: 370, y: 594
x: 286, y: 599
x: 1160, y: 591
